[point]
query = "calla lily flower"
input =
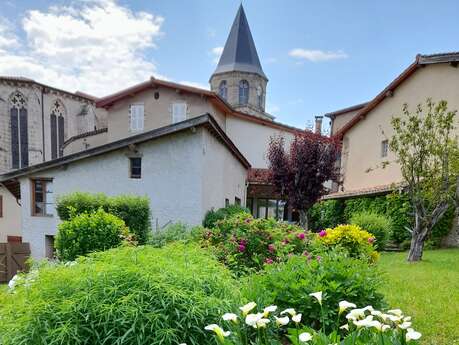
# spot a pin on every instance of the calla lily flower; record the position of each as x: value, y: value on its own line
x: 396, y: 312
x: 282, y: 321
x: 344, y: 305
x: 412, y: 335
x: 270, y: 309
x: 296, y: 318
x: 290, y: 311
x: 318, y: 296
x: 218, y: 331
x: 230, y: 317
x: 305, y: 337
x: 248, y: 308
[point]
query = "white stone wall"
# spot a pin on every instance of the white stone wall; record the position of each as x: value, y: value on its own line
x: 10, y: 222
x: 177, y: 175
x: 252, y: 139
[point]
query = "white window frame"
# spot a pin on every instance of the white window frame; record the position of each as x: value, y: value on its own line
x: 136, y: 117
x: 181, y: 115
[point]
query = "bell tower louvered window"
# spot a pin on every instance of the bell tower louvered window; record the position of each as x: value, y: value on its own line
x: 57, y: 123
x: 19, y: 132
x: 243, y: 92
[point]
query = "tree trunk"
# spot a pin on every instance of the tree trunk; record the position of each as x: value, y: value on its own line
x: 416, y: 248
x: 304, y: 222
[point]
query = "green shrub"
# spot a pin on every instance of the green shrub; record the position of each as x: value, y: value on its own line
x: 351, y: 239
x: 245, y: 244
x: 326, y: 214
x: 89, y: 232
x: 173, y: 233
x: 134, y: 210
x: 376, y: 224
x: 339, y: 277
x: 124, y: 296
x: 212, y: 216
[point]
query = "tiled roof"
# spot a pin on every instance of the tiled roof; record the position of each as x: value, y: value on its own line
x: 260, y: 176
x: 381, y: 189
x: 346, y: 110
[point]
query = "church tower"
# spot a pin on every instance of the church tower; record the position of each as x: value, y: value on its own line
x: 239, y: 77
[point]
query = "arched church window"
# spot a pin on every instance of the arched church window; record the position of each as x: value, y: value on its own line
x: 243, y: 92
x: 57, y: 123
x: 19, y: 131
x: 223, y: 90
x: 260, y: 96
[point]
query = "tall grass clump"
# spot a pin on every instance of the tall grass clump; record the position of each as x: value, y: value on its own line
x: 124, y: 296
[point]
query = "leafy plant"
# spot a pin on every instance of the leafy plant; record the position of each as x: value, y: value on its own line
x: 338, y: 276
x: 89, y: 232
x: 245, y: 244
x: 376, y: 224
x: 212, y: 217
x: 173, y: 233
x: 124, y: 296
x: 326, y: 214
x: 134, y: 210
x: 354, y: 241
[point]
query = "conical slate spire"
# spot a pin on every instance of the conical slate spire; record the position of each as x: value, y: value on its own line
x: 240, y: 53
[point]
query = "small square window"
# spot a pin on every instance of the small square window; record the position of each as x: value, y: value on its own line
x: 136, y: 167
x: 384, y: 148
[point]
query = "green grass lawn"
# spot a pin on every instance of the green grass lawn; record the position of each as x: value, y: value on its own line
x: 428, y: 291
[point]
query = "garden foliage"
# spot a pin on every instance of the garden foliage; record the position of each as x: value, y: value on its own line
x: 339, y: 277
x: 212, y: 217
x: 89, y: 232
x: 134, y: 210
x: 245, y: 244
x: 350, y: 239
x: 175, y: 232
x: 378, y: 225
x: 395, y: 206
x: 124, y: 296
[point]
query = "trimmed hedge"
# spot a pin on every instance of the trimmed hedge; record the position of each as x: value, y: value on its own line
x: 396, y: 206
x: 124, y: 296
x: 89, y: 232
x: 134, y: 210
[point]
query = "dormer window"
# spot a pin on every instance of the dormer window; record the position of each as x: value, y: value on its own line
x: 243, y: 92
x: 223, y: 90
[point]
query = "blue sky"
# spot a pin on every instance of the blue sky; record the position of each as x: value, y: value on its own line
x: 357, y: 47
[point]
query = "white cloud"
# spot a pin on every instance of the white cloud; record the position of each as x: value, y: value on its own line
x: 216, y: 53
x: 7, y: 38
x: 96, y: 46
x: 195, y: 84
x: 317, y: 55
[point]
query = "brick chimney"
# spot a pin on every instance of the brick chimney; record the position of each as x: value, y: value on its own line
x: 318, y: 125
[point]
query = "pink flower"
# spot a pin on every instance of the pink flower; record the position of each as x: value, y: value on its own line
x: 243, y: 242
x: 371, y: 240
x: 285, y: 241
x: 318, y: 257
x: 271, y: 248
x: 305, y: 253
x: 300, y: 235
x: 269, y: 261
x: 241, y: 248
x: 323, y: 233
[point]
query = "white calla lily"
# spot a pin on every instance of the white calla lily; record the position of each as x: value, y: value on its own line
x: 296, y: 318
x: 282, y: 321
x: 217, y: 330
x: 344, y: 305
x: 317, y: 295
x: 270, y: 309
x: 412, y: 335
x: 305, y: 337
x: 247, y: 308
x: 230, y: 317
x: 289, y: 311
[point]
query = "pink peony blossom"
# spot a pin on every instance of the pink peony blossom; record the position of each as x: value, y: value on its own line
x: 323, y: 233
x: 301, y: 235
x: 241, y: 248
x: 269, y: 261
x: 271, y: 248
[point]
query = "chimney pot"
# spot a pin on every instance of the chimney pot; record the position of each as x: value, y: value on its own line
x: 318, y: 125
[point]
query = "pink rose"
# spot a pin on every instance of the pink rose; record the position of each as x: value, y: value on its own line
x: 323, y: 233
x: 241, y: 248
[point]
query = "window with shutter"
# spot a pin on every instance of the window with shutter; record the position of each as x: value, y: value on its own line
x: 178, y: 112
x: 137, y: 117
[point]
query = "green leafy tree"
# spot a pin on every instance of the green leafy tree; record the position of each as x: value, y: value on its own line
x: 426, y: 148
